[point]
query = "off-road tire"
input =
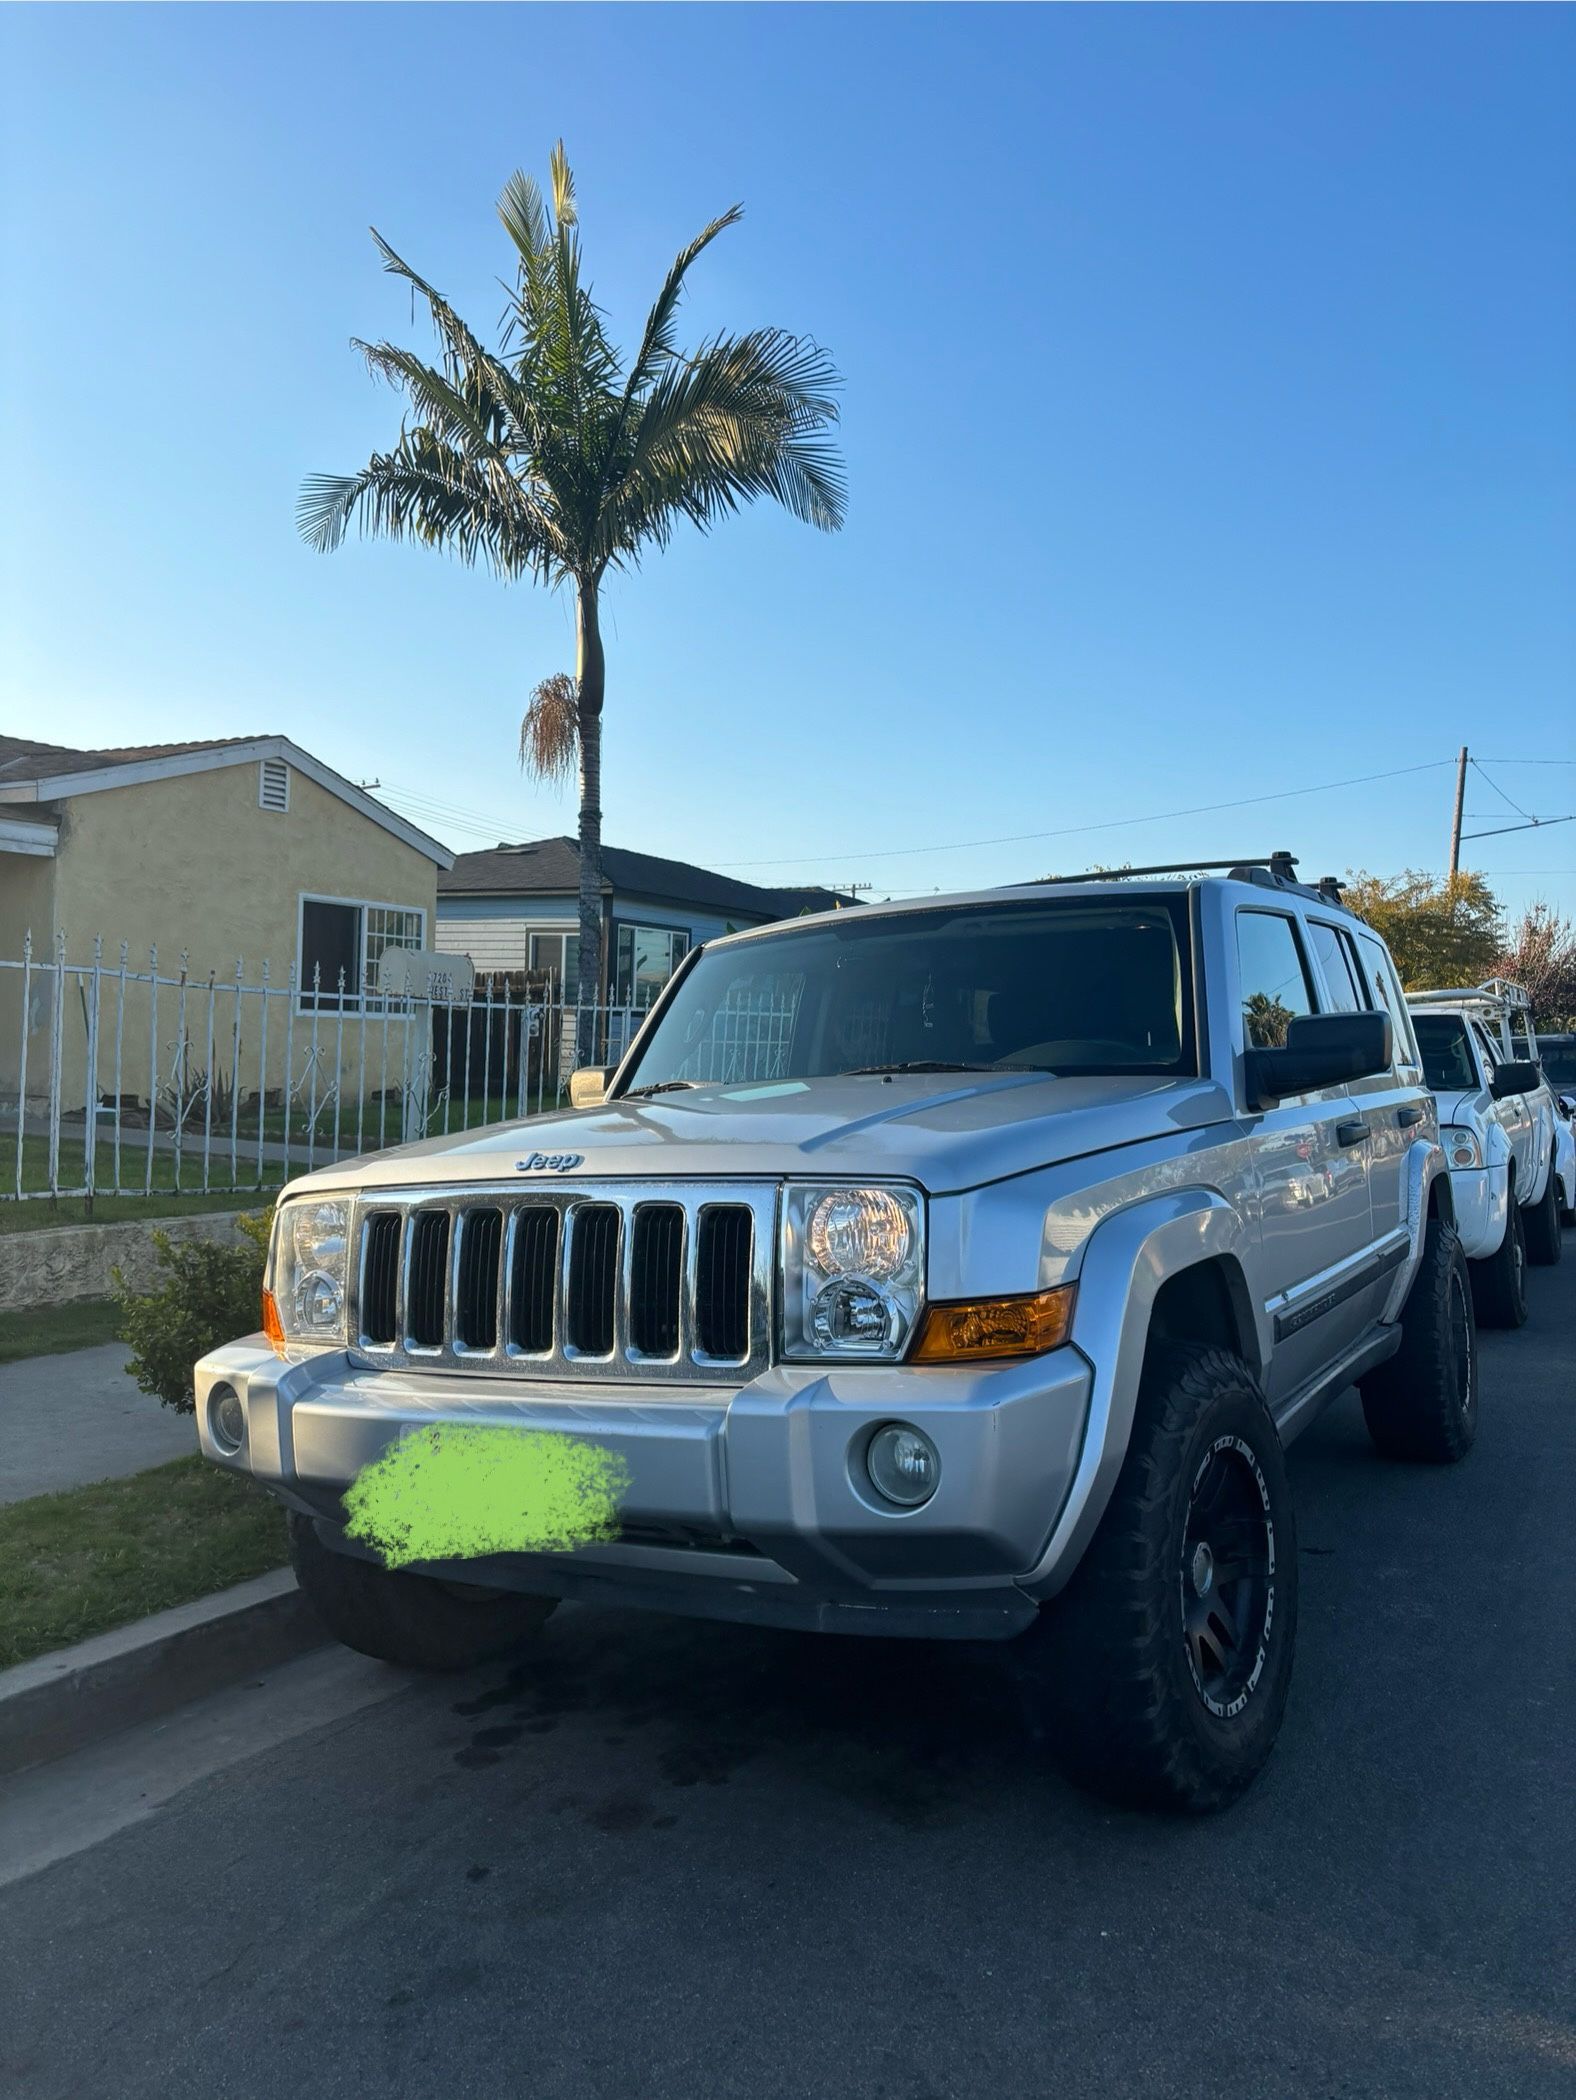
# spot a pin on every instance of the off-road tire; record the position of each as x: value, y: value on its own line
x: 1542, y: 1221
x: 1499, y: 1284
x: 1423, y: 1403
x: 1109, y: 1668
x: 412, y: 1620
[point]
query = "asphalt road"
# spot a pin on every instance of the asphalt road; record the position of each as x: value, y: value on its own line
x: 664, y: 1859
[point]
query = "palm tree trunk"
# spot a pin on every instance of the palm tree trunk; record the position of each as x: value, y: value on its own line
x: 590, y: 680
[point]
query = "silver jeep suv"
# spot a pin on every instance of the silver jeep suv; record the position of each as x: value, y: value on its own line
x: 955, y: 1269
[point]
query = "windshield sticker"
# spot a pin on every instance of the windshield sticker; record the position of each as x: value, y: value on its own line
x: 460, y: 1491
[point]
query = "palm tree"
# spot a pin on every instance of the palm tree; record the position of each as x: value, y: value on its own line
x: 545, y: 459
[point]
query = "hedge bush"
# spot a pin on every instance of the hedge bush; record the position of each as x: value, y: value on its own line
x: 208, y: 1294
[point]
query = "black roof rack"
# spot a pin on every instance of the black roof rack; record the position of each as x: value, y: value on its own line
x: 1268, y: 871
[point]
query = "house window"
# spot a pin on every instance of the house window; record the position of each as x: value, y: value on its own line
x: 645, y: 957
x: 342, y: 944
x: 557, y: 955
x: 273, y: 785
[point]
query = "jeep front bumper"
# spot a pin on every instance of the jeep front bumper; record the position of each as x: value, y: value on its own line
x: 747, y: 1504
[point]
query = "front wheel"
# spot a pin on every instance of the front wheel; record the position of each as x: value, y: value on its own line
x: 414, y: 1620
x: 1162, y: 1672
x: 1499, y: 1284
x: 1423, y: 1402
x: 1543, y: 1224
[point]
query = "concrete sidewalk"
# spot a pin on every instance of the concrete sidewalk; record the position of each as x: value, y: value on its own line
x: 69, y: 1419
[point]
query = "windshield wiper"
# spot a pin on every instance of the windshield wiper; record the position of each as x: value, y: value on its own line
x: 935, y: 1064
x: 658, y: 1086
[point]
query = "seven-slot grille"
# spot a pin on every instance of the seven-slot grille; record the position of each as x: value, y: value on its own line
x: 661, y: 1281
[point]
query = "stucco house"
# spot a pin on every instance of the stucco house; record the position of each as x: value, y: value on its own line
x: 516, y: 909
x: 223, y: 850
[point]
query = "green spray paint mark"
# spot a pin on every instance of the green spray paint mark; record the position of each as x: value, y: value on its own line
x: 455, y: 1492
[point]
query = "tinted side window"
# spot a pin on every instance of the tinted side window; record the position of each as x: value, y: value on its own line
x: 1274, y: 977
x: 1387, y: 991
x: 1329, y: 944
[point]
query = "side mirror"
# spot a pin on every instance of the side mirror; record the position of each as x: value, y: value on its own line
x: 588, y: 1086
x: 1521, y: 1076
x: 1320, y: 1050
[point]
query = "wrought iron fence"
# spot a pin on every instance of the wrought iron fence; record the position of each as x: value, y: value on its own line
x: 117, y: 1079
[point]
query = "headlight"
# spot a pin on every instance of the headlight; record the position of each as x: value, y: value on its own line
x: 308, y: 1270
x: 1461, y: 1146
x: 853, y: 1271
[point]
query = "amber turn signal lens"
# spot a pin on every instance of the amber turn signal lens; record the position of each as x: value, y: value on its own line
x: 273, y: 1326
x: 978, y: 1328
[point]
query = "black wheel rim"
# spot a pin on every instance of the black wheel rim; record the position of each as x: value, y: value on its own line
x: 1228, y: 1577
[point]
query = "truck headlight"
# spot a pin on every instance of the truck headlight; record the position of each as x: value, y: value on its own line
x: 308, y: 1272
x: 853, y: 1263
x: 1461, y: 1146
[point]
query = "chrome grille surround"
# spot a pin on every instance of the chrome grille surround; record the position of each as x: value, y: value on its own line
x: 561, y: 1363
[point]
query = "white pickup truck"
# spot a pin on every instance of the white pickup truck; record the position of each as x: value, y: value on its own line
x: 1498, y: 1124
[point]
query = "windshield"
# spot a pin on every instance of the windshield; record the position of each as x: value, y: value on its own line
x: 1059, y: 986
x: 1447, y: 1055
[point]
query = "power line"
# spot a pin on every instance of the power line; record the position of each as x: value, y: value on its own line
x: 1018, y: 838
x: 1494, y: 784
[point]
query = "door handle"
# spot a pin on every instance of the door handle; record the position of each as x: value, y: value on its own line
x: 1406, y: 1117
x: 1352, y: 1132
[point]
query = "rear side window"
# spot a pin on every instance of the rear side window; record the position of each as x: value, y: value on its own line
x: 1275, y: 987
x: 1339, y: 967
x: 1387, y: 994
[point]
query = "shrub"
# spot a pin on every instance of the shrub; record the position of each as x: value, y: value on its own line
x: 208, y: 1293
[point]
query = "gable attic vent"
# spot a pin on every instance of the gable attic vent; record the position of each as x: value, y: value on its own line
x: 273, y: 785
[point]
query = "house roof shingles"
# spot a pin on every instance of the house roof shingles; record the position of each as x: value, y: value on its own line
x: 23, y: 758
x: 551, y: 867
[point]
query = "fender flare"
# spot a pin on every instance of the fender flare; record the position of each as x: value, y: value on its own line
x: 1425, y: 1165
x: 1127, y: 1258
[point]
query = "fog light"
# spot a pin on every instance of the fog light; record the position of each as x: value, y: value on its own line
x: 903, y: 1464
x: 226, y: 1419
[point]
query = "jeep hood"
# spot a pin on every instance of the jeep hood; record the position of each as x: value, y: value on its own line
x: 946, y: 1131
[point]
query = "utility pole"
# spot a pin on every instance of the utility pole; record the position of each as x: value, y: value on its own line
x: 1455, y: 822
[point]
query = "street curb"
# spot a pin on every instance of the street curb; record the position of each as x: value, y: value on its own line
x: 61, y: 1702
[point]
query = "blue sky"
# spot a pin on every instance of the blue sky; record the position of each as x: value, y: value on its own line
x: 1208, y: 416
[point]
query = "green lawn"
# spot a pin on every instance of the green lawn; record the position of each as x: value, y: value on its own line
x: 80, y: 1563
x: 50, y: 1330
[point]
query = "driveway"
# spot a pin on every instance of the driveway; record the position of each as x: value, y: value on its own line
x: 663, y: 1859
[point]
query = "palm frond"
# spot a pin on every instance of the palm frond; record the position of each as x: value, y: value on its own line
x: 563, y: 187
x: 426, y: 490
x: 523, y: 214
x: 745, y: 417
x: 656, y: 342
x: 550, y: 729
x: 460, y: 346
x: 469, y: 414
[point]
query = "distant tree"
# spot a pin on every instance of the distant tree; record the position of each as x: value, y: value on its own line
x: 1441, y: 932
x: 552, y: 458
x: 1541, y: 954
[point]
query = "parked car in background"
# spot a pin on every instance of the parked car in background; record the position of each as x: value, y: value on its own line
x: 1558, y: 1055
x: 1497, y: 1122
x: 1565, y: 1155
